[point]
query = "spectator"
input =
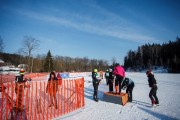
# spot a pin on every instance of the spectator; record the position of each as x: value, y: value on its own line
x: 52, y: 88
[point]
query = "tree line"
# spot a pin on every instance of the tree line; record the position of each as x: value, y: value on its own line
x: 47, y: 63
x: 147, y: 56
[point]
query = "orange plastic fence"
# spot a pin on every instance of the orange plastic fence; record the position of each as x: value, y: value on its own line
x: 32, y: 75
x: 11, y: 77
x: 33, y: 103
x: 7, y: 78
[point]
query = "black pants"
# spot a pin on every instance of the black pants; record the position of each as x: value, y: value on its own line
x: 118, y: 81
x: 107, y: 80
x: 152, y: 95
x: 129, y: 91
x: 95, y: 85
x: 110, y: 82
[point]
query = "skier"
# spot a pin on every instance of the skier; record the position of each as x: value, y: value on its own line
x: 128, y: 84
x: 95, y: 81
x: 110, y: 80
x: 107, y: 76
x: 120, y: 74
x: 153, y: 84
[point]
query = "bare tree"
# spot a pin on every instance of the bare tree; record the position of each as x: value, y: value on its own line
x: 113, y: 60
x: 30, y: 44
x: 1, y: 44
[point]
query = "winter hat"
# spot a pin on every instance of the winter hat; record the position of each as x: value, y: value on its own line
x: 95, y: 70
x: 126, y: 79
x: 21, y: 72
x: 148, y: 72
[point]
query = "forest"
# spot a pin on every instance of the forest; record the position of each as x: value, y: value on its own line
x: 47, y: 63
x: 150, y: 56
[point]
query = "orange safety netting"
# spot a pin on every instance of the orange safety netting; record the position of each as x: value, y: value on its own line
x: 11, y: 77
x: 18, y: 101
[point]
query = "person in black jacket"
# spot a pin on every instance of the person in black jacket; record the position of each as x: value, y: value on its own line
x: 153, y: 84
x: 95, y: 82
x: 128, y: 84
x: 110, y: 80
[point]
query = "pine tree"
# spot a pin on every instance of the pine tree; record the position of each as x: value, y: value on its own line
x: 48, y: 64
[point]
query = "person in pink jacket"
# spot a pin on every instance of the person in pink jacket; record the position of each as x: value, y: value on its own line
x: 120, y: 74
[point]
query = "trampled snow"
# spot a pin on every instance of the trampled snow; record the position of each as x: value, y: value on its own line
x: 140, y: 108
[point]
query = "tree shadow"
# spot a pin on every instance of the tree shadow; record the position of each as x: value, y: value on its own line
x: 158, y: 115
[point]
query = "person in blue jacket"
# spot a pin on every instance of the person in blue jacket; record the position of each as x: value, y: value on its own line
x: 128, y: 84
x: 95, y: 82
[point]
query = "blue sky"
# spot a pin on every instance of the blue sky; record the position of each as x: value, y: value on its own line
x: 100, y: 29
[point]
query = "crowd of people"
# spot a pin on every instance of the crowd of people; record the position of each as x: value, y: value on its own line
x: 115, y: 78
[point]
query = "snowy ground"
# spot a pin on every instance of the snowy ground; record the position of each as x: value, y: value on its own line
x: 140, y: 108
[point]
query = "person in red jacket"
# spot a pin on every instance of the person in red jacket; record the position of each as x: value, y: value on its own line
x: 120, y: 74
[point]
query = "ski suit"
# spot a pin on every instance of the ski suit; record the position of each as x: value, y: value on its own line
x: 120, y: 74
x: 129, y: 85
x: 110, y: 81
x: 153, y: 84
x: 95, y: 82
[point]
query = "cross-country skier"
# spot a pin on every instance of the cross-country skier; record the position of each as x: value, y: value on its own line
x: 95, y: 81
x: 128, y: 84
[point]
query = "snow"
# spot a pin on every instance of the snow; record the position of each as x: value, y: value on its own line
x: 140, y: 108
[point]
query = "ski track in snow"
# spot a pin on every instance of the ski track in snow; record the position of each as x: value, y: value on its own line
x: 140, y: 108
